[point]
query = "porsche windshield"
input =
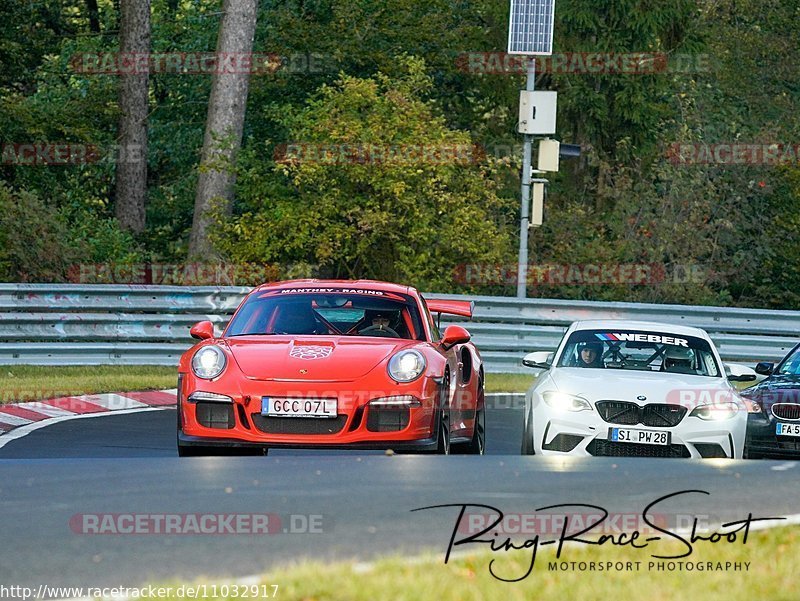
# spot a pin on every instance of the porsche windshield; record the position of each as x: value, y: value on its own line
x: 639, y: 350
x: 360, y: 313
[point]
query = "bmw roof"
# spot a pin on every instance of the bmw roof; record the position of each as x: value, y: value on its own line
x: 647, y: 326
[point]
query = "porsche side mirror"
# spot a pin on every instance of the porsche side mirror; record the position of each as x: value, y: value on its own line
x: 454, y: 335
x: 202, y: 330
x: 538, y: 359
x: 765, y: 368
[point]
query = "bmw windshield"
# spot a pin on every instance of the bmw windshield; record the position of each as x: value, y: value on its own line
x: 640, y: 351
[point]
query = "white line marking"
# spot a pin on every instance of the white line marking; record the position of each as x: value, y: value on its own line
x: 783, y: 466
x: 48, y: 410
x: 112, y: 402
x: 13, y: 420
x: 25, y: 430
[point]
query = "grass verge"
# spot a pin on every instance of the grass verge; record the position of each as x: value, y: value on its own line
x: 30, y: 382
x: 33, y: 382
x: 509, y: 382
x: 770, y: 553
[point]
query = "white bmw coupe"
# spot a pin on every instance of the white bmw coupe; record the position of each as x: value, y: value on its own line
x: 635, y: 389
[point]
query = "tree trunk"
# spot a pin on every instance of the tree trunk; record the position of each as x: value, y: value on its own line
x: 224, y: 122
x: 94, y: 16
x: 133, y: 104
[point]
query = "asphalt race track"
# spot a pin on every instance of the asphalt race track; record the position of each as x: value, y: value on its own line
x: 126, y: 464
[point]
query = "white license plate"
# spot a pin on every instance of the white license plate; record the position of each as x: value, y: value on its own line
x: 283, y: 407
x: 638, y: 436
x: 787, y: 429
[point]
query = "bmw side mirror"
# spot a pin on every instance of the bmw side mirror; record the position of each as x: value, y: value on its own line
x: 538, y: 359
x: 202, y: 330
x: 765, y: 368
x: 742, y: 378
x: 739, y: 373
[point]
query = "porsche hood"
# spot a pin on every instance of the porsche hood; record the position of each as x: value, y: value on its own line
x: 313, y: 358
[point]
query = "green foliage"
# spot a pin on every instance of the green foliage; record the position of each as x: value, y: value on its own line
x: 40, y: 242
x: 606, y: 108
x: 34, y: 239
x: 347, y: 79
x: 361, y: 199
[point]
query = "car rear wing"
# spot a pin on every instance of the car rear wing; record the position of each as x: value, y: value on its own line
x: 451, y: 307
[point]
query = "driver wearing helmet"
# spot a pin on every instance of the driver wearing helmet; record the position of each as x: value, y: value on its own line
x: 678, y: 360
x: 590, y: 354
x: 381, y: 323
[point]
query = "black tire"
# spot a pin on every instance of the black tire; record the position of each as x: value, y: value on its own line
x: 527, y: 435
x: 195, y: 451
x: 443, y: 448
x: 746, y: 454
x: 476, y: 446
x: 200, y: 451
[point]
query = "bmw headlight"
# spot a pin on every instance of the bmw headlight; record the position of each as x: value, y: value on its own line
x: 209, y: 362
x: 407, y: 366
x: 716, y: 411
x: 561, y: 401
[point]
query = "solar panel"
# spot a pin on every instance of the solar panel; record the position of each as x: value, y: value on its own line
x: 530, y: 30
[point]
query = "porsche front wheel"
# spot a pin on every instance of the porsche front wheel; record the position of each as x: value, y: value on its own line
x: 443, y: 447
x: 444, y: 436
x: 477, y: 446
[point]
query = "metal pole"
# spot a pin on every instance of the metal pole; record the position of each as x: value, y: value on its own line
x: 525, y: 205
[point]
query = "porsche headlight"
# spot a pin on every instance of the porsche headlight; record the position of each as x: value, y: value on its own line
x: 406, y: 366
x: 561, y: 401
x: 716, y: 411
x: 208, y: 362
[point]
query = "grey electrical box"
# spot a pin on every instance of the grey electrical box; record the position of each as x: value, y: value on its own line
x: 549, y: 152
x: 537, y: 204
x: 537, y: 112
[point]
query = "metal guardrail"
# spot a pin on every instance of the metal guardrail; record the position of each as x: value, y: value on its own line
x: 74, y: 324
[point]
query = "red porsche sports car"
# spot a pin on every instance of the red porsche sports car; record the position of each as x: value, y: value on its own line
x: 333, y: 364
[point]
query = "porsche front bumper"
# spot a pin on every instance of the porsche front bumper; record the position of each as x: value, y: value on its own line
x: 239, y: 423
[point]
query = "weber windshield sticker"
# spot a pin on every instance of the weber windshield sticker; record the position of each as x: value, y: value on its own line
x: 634, y: 337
